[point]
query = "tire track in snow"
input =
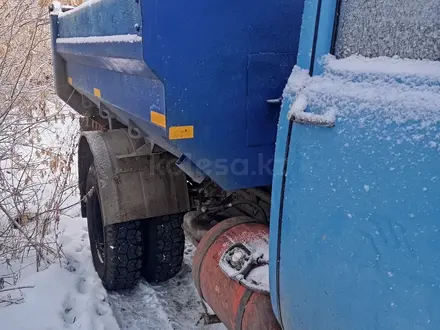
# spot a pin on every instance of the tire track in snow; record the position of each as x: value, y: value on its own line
x: 140, y: 309
x: 172, y: 305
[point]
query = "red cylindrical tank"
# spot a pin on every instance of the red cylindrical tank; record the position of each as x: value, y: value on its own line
x: 235, y: 305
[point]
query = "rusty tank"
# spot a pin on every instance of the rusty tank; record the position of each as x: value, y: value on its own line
x: 240, y: 303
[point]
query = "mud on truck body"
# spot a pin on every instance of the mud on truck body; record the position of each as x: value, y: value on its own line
x: 183, y: 103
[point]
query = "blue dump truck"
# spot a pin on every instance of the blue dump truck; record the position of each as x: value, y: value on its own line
x: 294, y: 142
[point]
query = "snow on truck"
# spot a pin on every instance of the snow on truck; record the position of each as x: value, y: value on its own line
x: 313, y: 200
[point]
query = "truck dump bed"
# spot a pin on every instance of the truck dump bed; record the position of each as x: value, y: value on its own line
x: 194, y: 76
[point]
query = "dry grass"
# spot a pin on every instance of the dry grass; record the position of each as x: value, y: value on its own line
x: 35, y: 178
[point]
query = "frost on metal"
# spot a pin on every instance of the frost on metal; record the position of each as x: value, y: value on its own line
x: 298, y: 113
x: 297, y: 81
x: 127, y: 38
x: 86, y: 3
x: 406, y: 28
x: 384, y: 91
x: 422, y: 69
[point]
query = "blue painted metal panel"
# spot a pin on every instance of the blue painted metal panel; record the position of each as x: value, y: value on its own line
x: 86, y: 53
x: 142, y: 92
x: 325, y: 34
x: 101, y: 18
x: 308, y: 27
x: 359, y: 241
x: 263, y: 84
x: 304, y: 60
x: 358, y: 233
x: 217, y: 70
x: 206, y: 71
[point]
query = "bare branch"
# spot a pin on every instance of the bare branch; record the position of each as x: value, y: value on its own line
x: 17, y: 288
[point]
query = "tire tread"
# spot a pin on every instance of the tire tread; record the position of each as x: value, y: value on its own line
x: 164, y: 246
x: 124, y: 255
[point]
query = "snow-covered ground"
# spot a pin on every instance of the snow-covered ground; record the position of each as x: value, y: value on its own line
x: 171, y: 305
x: 67, y: 294
x: 70, y: 295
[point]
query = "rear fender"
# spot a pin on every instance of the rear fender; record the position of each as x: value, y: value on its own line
x: 134, y: 181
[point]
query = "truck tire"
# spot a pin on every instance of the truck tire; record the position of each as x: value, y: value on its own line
x: 164, y: 245
x: 116, y: 249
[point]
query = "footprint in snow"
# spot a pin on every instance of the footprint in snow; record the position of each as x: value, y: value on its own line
x: 71, y: 264
x: 100, y: 301
x: 84, y: 237
x: 102, y: 308
x: 82, y: 285
x: 69, y: 314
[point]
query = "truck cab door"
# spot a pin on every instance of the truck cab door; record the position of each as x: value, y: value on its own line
x: 356, y: 196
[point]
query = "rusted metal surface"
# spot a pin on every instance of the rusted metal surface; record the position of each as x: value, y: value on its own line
x: 259, y: 314
x: 236, y: 306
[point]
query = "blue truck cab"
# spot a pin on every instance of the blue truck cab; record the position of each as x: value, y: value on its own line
x: 317, y: 121
x: 355, y: 199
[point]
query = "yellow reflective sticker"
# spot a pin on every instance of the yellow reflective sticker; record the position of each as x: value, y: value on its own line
x: 158, y: 119
x: 181, y: 132
x: 97, y: 92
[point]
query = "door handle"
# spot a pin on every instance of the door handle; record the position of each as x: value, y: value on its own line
x: 298, y: 114
x: 313, y: 119
x: 275, y: 101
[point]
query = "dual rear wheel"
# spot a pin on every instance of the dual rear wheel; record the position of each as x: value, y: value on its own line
x: 123, y: 252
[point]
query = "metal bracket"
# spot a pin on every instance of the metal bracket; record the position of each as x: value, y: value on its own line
x: 133, y: 130
x: 86, y: 103
x: 238, y: 261
x: 144, y: 150
x: 208, y: 318
x: 187, y: 166
x: 64, y: 8
x: 275, y: 101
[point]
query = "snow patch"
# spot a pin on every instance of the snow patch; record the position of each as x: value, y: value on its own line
x: 384, y: 66
x: 57, y: 8
x: 297, y: 81
x: 86, y: 4
x: 127, y: 38
x: 298, y: 106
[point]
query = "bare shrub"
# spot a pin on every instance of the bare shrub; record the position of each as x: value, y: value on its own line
x: 37, y: 140
x: 46, y: 3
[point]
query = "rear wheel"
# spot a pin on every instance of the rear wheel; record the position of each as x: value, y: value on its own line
x: 122, y: 252
x: 164, y: 245
x: 116, y: 249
